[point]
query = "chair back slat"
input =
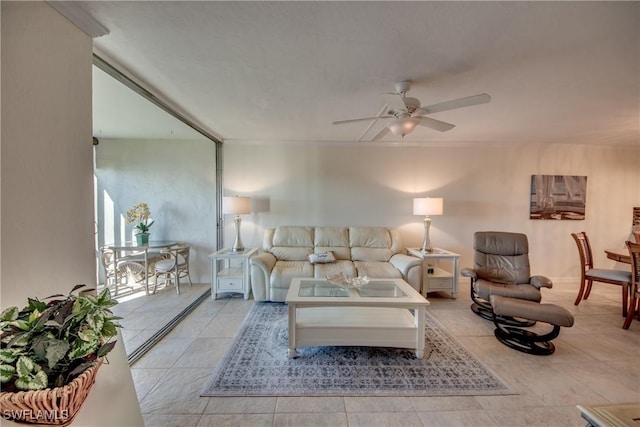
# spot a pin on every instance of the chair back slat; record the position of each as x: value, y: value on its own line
x: 584, y: 249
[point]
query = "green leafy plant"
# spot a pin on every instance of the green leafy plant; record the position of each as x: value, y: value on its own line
x: 48, y: 344
x: 140, y: 213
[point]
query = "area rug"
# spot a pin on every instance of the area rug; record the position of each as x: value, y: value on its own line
x: 257, y: 364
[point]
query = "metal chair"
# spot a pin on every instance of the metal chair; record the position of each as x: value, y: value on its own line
x: 634, y: 305
x: 174, y: 267
x: 605, y: 275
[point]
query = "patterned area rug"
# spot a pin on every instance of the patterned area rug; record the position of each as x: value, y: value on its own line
x: 257, y: 364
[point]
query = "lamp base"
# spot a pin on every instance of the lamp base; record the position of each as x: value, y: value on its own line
x: 426, y: 245
x: 237, y: 245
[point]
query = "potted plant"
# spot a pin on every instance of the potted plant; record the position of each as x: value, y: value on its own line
x: 140, y: 213
x: 50, y: 352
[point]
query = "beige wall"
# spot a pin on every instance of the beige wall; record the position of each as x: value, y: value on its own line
x: 46, y: 218
x: 47, y: 206
x: 484, y: 188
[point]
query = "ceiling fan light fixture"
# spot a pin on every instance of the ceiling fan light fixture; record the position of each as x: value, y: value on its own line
x: 403, y: 126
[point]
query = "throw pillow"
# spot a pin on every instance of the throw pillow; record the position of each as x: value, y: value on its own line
x: 322, y: 258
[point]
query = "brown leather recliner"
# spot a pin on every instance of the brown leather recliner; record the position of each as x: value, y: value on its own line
x: 501, y: 267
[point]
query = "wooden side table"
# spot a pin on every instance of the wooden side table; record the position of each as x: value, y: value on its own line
x: 230, y: 272
x: 439, y: 270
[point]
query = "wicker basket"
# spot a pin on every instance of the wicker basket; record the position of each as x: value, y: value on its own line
x: 57, y: 406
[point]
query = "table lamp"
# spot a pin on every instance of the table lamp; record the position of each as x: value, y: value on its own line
x: 427, y: 206
x: 237, y: 206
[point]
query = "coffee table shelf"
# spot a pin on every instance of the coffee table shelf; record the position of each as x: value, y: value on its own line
x: 346, y: 326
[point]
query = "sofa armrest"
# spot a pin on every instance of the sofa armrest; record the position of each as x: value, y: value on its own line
x: 261, y: 266
x: 469, y: 272
x: 404, y: 263
x: 410, y: 267
x: 541, y: 282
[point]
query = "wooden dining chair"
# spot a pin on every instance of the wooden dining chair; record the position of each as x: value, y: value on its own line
x: 634, y: 305
x: 605, y: 275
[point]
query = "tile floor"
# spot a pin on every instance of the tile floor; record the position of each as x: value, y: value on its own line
x: 596, y: 361
x: 144, y: 315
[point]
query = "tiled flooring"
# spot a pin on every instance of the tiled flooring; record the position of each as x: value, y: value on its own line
x: 596, y: 361
x: 144, y: 315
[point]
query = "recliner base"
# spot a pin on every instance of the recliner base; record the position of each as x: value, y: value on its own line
x: 527, y: 341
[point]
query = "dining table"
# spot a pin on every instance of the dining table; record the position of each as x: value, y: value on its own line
x: 132, y: 251
x: 619, y: 255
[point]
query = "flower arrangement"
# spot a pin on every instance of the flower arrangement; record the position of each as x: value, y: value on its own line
x: 140, y: 213
x: 49, y: 344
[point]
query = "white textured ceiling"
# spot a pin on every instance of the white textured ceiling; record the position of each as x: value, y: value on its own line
x: 284, y: 71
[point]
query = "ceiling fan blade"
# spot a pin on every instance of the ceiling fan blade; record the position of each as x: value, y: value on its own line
x: 435, y: 124
x: 456, y: 103
x: 383, y: 132
x: 341, y: 122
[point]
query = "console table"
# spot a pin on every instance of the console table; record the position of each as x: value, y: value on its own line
x: 233, y: 274
x: 439, y: 270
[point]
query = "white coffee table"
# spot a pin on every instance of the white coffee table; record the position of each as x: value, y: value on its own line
x: 384, y: 313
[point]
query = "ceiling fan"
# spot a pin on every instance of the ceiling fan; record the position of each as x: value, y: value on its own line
x: 409, y: 113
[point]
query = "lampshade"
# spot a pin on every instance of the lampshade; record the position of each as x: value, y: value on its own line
x: 236, y: 205
x: 428, y: 206
x: 403, y: 125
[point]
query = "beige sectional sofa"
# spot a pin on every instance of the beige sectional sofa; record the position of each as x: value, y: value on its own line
x: 376, y: 252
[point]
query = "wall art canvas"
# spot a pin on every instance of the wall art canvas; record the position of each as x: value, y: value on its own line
x: 558, y: 197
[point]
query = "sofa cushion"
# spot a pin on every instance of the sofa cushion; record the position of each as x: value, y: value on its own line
x: 291, y: 243
x: 377, y: 270
x: 293, y: 236
x: 341, y: 266
x: 370, y: 244
x: 338, y: 252
x: 287, y: 253
x: 334, y: 239
x: 369, y: 237
x: 331, y: 236
x: 284, y: 271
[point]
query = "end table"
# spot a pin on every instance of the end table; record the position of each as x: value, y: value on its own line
x: 439, y: 270
x: 230, y: 272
